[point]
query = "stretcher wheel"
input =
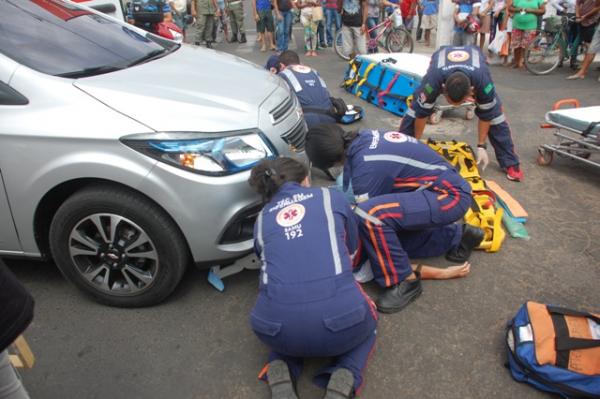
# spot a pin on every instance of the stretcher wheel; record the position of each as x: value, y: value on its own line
x: 435, y: 118
x: 470, y: 114
x: 545, y: 157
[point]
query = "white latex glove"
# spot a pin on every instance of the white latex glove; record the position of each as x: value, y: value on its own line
x: 482, y: 158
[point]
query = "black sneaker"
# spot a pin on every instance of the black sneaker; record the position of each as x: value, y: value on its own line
x: 397, y: 297
x: 280, y: 381
x: 233, y: 38
x: 243, y: 38
x: 471, y: 238
x: 341, y: 385
x: 209, y: 45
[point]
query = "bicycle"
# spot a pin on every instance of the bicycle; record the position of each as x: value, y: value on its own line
x: 393, y: 38
x: 550, y: 48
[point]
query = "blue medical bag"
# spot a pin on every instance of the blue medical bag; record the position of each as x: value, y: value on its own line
x: 555, y: 349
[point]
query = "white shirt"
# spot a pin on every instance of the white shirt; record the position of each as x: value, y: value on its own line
x: 179, y: 5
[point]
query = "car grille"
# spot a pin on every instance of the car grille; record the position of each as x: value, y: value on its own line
x: 279, y: 113
x: 296, y: 137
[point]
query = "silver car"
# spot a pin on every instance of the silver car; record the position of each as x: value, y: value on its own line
x: 124, y: 156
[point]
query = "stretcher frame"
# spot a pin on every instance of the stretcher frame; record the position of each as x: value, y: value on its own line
x: 579, y: 148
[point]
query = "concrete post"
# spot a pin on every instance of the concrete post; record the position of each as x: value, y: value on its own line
x: 445, y: 23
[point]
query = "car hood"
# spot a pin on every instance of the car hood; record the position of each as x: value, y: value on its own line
x: 192, y: 89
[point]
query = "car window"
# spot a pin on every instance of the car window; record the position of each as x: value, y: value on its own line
x: 62, y: 39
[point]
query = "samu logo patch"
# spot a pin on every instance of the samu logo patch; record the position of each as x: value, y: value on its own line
x: 290, y: 215
x: 458, y: 56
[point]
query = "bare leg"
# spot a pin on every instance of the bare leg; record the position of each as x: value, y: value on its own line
x: 587, y: 61
x: 438, y: 273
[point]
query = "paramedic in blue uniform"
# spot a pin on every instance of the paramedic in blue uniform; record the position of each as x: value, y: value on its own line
x: 308, y: 303
x: 462, y: 74
x: 408, y: 199
x: 310, y: 89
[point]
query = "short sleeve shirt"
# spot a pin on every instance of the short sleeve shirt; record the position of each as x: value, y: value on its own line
x: 527, y: 21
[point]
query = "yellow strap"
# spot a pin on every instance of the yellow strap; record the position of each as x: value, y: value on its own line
x: 364, y: 79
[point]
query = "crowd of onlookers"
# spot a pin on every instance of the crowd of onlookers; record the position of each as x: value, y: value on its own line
x: 505, y: 27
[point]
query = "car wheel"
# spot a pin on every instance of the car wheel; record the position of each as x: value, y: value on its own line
x: 118, y: 246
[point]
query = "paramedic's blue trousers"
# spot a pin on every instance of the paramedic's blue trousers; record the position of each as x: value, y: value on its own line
x: 325, y: 318
x: 415, y: 224
x: 499, y: 135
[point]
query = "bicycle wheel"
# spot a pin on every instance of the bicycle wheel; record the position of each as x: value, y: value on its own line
x: 338, y: 46
x: 399, y: 40
x: 543, y: 55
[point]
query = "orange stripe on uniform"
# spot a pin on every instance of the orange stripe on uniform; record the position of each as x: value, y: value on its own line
x: 263, y: 372
x: 387, y: 252
x: 379, y: 256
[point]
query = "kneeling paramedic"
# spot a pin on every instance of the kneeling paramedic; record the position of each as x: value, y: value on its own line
x: 460, y: 74
x: 314, y: 97
x: 308, y: 303
x: 408, y: 200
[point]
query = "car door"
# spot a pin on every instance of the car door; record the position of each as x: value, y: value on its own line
x: 9, y: 99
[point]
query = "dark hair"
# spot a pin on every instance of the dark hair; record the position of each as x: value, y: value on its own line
x: 269, y: 175
x: 457, y: 86
x: 289, y: 57
x: 326, y: 145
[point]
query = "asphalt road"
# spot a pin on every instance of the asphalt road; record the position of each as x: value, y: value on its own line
x: 448, y: 344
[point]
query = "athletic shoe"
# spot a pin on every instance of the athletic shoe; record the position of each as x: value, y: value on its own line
x: 341, y: 385
x: 243, y: 38
x: 514, y: 173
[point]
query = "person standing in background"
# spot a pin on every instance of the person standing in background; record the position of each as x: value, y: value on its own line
x: 354, y: 26
x: 465, y: 9
x: 264, y: 23
x: 331, y: 17
x: 485, y: 16
x: 498, y: 16
x: 179, y: 12
x: 430, y: 11
x: 235, y: 9
x: 525, y: 24
x: 588, y: 13
x: 285, y: 18
x: 204, y: 11
x: 409, y: 10
x: 310, y: 24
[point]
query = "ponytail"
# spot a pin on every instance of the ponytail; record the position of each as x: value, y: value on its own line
x: 269, y: 175
x: 326, y: 145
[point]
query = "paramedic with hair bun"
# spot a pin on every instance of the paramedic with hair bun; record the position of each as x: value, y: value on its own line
x: 308, y: 303
x: 408, y: 200
x: 461, y: 74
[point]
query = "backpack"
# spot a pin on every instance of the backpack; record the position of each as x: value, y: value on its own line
x: 147, y: 11
x: 555, y: 349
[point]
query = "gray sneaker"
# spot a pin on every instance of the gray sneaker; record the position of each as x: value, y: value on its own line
x: 280, y: 381
x: 341, y: 385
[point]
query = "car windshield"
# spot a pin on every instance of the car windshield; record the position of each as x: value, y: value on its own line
x: 62, y: 39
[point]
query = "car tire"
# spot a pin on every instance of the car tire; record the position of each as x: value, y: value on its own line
x: 118, y: 246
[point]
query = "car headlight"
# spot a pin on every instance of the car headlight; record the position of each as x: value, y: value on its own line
x: 203, y: 152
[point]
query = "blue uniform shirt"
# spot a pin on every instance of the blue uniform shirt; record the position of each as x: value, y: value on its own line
x: 304, y: 235
x: 390, y: 162
x: 469, y: 60
x: 311, y: 91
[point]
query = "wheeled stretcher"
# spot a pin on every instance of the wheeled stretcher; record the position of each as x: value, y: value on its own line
x: 577, y: 130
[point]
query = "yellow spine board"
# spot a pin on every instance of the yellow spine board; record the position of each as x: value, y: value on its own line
x: 483, y: 215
